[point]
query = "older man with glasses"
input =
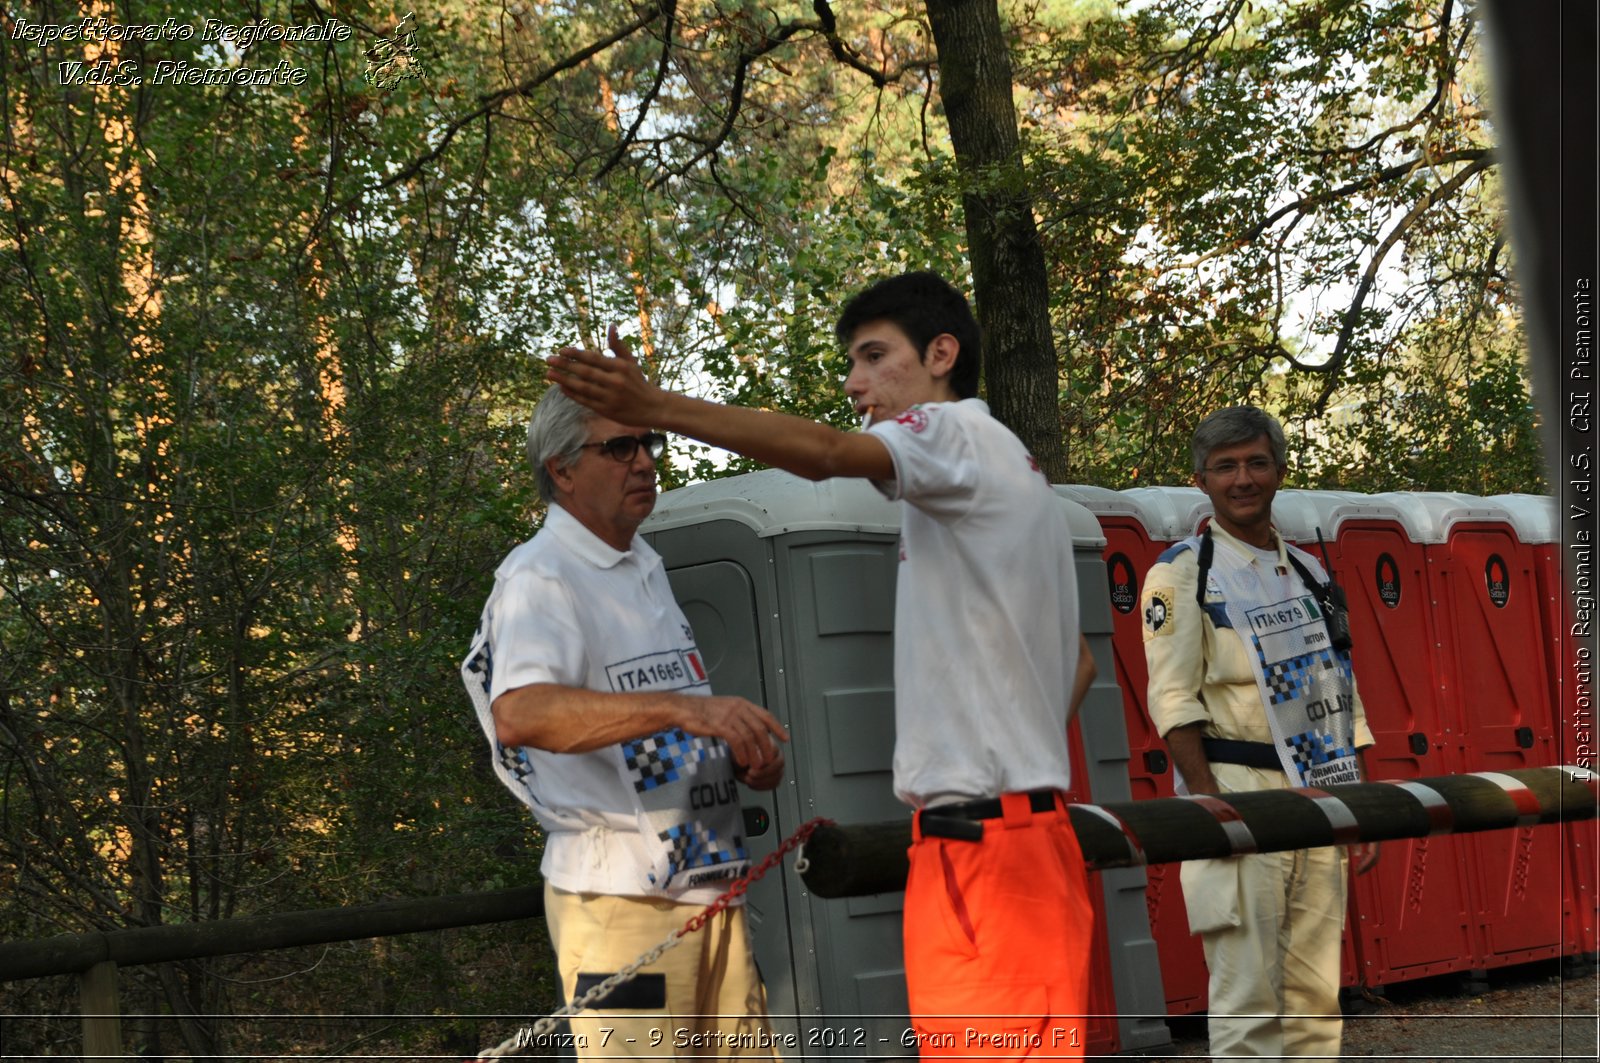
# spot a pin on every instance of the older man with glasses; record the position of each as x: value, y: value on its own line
x: 600, y: 717
x: 1251, y: 685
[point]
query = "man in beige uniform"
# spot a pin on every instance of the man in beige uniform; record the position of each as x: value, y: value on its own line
x: 1252, y: 691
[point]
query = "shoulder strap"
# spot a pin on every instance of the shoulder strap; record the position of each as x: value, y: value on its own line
x: 1319, y: 591
x: 1335, y: 605
x: 1205, y: 567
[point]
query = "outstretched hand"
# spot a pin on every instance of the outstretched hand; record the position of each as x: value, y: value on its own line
x: 613, y: 387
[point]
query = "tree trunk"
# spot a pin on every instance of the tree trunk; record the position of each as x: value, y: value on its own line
x: 1010, y: 285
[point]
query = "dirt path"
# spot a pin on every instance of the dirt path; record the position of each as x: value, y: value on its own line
x: 1528, y: 1013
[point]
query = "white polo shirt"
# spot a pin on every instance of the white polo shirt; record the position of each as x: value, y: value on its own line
x: 986, y: 610
x: 568, y: 609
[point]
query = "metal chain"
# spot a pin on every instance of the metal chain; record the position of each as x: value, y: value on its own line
x: 514, y: 1045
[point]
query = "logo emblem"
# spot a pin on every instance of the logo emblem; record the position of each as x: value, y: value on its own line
x: 915, y: 419
x: 1124, y: 584
x: 1158, y: 613
x: 1498, y: 579
x: 392, y: 60
x: 1388, y: 575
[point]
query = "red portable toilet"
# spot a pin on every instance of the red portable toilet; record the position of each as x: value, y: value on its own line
x: 1172, y: 514
x: 1411, y: 916
x: 1536, y: 522
x: 1494, y: 684
x: 1309, y: 520
x: 1177, y: 510
x: 1534, y: 518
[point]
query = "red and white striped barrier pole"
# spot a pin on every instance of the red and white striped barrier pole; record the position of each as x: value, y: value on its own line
x: 854, y: 861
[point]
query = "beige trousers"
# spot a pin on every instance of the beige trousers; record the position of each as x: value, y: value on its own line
x: 714, y: 1005
x: 1271, y: 925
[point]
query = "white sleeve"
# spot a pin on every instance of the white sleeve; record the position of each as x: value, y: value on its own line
x: 935, y: 466
x: 534, y: 634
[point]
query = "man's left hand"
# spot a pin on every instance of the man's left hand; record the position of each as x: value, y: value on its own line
x: 1364, y: 855
x: 766, y: 776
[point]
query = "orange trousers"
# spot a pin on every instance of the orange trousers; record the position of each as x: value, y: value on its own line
x: 997, y: 938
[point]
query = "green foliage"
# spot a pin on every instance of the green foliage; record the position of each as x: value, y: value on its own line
x: 1265, y: 203
x: 1471, y: 429
x: 254, y: 416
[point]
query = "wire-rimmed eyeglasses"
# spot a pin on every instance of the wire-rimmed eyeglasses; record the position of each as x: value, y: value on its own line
x: 1256, y: 467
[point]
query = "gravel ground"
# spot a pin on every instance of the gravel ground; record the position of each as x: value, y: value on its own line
x: 1528, y: 1013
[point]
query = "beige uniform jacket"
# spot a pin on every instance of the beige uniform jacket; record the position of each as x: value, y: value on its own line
x: 1200, y: 673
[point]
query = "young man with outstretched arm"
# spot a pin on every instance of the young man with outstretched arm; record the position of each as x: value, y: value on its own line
x: 989, y: 659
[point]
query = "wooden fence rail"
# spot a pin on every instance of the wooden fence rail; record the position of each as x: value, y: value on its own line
x: 95, y: 957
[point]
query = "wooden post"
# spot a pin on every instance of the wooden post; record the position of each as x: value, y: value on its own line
x: 102, y: 1021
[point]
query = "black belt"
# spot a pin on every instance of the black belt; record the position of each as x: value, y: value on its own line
x: 1249, y: 754
x: 964, y: 820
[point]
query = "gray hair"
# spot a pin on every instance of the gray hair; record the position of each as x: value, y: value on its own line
x: 557, y: 429
x: 1234, y: 425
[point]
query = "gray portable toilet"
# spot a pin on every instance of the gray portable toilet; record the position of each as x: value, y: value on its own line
x: 789, y: 586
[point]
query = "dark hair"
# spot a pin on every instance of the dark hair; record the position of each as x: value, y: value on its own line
x: 924, y: 305
x: 1234, y: 425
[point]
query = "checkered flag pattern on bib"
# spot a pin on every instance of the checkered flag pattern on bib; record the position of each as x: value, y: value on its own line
x: 660, y: 758
x: 481, y: 664
x: 1313, y: 750
x: 515, y: 760
x: 694, y: 845
x: 1287, y: 679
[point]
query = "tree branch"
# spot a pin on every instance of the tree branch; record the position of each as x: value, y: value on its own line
x: 489, y: 103
x: 670, y: 9
x: 852, y: 58
x: 747, y: 57
x: 1341, y: 348
x: 1425, y: 113
x: 1478, y: 157
x: 1193, y: 51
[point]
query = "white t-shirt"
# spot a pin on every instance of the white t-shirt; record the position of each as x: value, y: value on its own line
x: 986, y: 610
x: 568, y: 609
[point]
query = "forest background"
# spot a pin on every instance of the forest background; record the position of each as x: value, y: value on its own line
x: 268, y: 354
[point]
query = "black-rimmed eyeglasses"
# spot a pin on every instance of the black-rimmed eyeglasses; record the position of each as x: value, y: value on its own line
x: 625, y: 448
